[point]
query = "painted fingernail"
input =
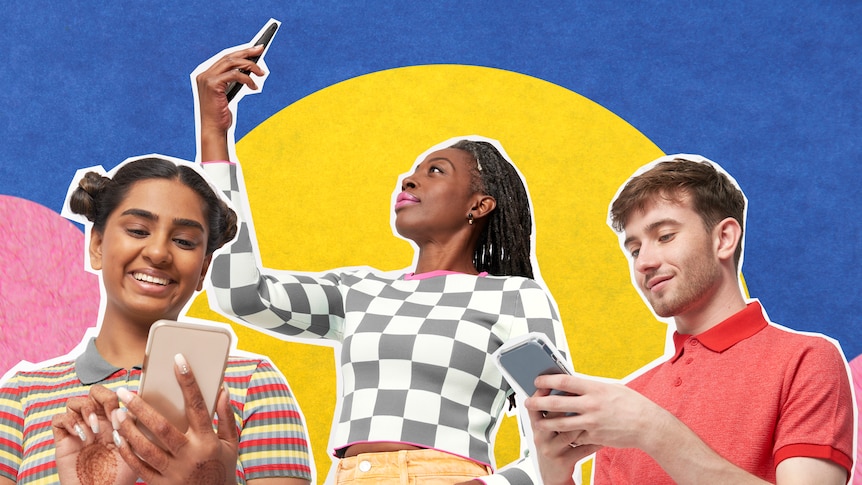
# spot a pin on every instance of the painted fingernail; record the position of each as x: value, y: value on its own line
x: 117, y: 439
x: 124, y: 395
x: 115, y: 418
x: 182, y: 364
x: 80, y: 431
x: 94, y: 423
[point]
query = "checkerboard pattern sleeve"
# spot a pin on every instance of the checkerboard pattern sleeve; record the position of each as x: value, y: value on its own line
x: 416, y: 354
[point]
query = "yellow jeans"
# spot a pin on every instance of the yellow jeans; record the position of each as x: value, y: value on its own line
x: 407, y: 467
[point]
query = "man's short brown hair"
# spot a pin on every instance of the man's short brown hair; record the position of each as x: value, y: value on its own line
x: 714, y: 195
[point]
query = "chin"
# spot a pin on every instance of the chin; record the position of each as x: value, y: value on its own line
x: 663, y: 309
x: 403, y: 232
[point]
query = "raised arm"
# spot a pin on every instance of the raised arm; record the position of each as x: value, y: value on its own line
x: 294, y: 304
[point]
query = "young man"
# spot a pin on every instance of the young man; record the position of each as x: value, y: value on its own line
x: 741, y: 400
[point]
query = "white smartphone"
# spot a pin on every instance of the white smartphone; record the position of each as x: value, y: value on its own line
x: 204, y: 345
x: 523, y: 359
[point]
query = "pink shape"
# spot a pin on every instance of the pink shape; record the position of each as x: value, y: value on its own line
x: 856, y: 372
x: 47, y: 298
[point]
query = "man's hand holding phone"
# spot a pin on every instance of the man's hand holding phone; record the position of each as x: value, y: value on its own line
x: 556, y: 423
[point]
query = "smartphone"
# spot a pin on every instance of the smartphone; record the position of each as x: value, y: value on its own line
x: 522, y: 360
x: 204, y: 345
x: 264, y: 38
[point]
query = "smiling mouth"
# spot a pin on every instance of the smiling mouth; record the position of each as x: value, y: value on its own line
x: 150, y: 279
x: 655, y: 280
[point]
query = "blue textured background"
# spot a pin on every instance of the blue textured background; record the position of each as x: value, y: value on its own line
x: 768, y: 90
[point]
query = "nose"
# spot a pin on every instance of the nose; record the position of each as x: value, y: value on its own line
x: 157, y: 252
x: 646, y: 260
x: 409, y: 182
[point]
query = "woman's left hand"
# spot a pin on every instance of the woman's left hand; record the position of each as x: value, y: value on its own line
x: 84, y: 450
x: 199, y: 456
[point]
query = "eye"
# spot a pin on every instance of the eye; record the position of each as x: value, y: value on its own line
x: 137, y: 232
x: 666, y: 237
x: 634, y: 251
x: 186, y: 242
x: 434, y: 169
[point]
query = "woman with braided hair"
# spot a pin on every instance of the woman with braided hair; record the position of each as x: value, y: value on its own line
x: 154, y: 225
x: 419, y: 397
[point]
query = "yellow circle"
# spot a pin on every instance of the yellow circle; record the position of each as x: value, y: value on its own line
x: 320, y: 175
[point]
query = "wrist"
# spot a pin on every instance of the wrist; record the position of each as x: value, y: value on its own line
x: 214, y: 145
x: 213, y: 134
x: 558, y: 476
x: 659, y: 431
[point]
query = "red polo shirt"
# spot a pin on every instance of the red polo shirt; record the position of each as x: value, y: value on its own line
x: 755, y: 392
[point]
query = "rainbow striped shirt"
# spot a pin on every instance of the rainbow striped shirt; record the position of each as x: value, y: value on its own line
x: 272, y: 436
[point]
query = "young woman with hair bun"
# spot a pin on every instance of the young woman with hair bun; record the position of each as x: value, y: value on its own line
x: 154, y: 224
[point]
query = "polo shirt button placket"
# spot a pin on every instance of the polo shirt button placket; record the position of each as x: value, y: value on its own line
x: 694, y: 343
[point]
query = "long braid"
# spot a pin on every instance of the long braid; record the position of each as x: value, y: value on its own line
x: 504, y: 247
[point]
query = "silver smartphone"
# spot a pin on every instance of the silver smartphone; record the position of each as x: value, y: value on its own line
x: 522, y: 360
x: 205, y: 347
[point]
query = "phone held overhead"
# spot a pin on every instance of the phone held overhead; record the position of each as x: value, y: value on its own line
x: 263, y: 38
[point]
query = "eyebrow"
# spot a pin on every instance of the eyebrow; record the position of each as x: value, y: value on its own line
x: 145, y: 214
x: 653, y: 226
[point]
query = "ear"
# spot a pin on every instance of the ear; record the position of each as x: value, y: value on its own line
x: 483, y: 205
x: 204, y: 269
x: 95, y: 249
x: 727, y: 234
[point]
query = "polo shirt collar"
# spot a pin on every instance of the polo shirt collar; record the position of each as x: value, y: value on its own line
x: 728, y: 333
x: 91, y: 367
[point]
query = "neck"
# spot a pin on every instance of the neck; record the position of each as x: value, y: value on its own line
x: 122, y: 344
x: 435, y: 258
x: 717, y: 307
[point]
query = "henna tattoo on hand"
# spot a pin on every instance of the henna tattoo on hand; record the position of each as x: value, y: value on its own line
x: 97, y: 465
x: 207, y: 473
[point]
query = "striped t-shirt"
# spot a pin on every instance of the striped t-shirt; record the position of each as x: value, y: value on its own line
x: 272, y: 436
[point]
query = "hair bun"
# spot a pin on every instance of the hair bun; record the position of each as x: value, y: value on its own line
x: 85, y: 198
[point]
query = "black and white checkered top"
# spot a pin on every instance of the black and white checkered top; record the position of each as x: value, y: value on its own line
x: 416, y: 353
